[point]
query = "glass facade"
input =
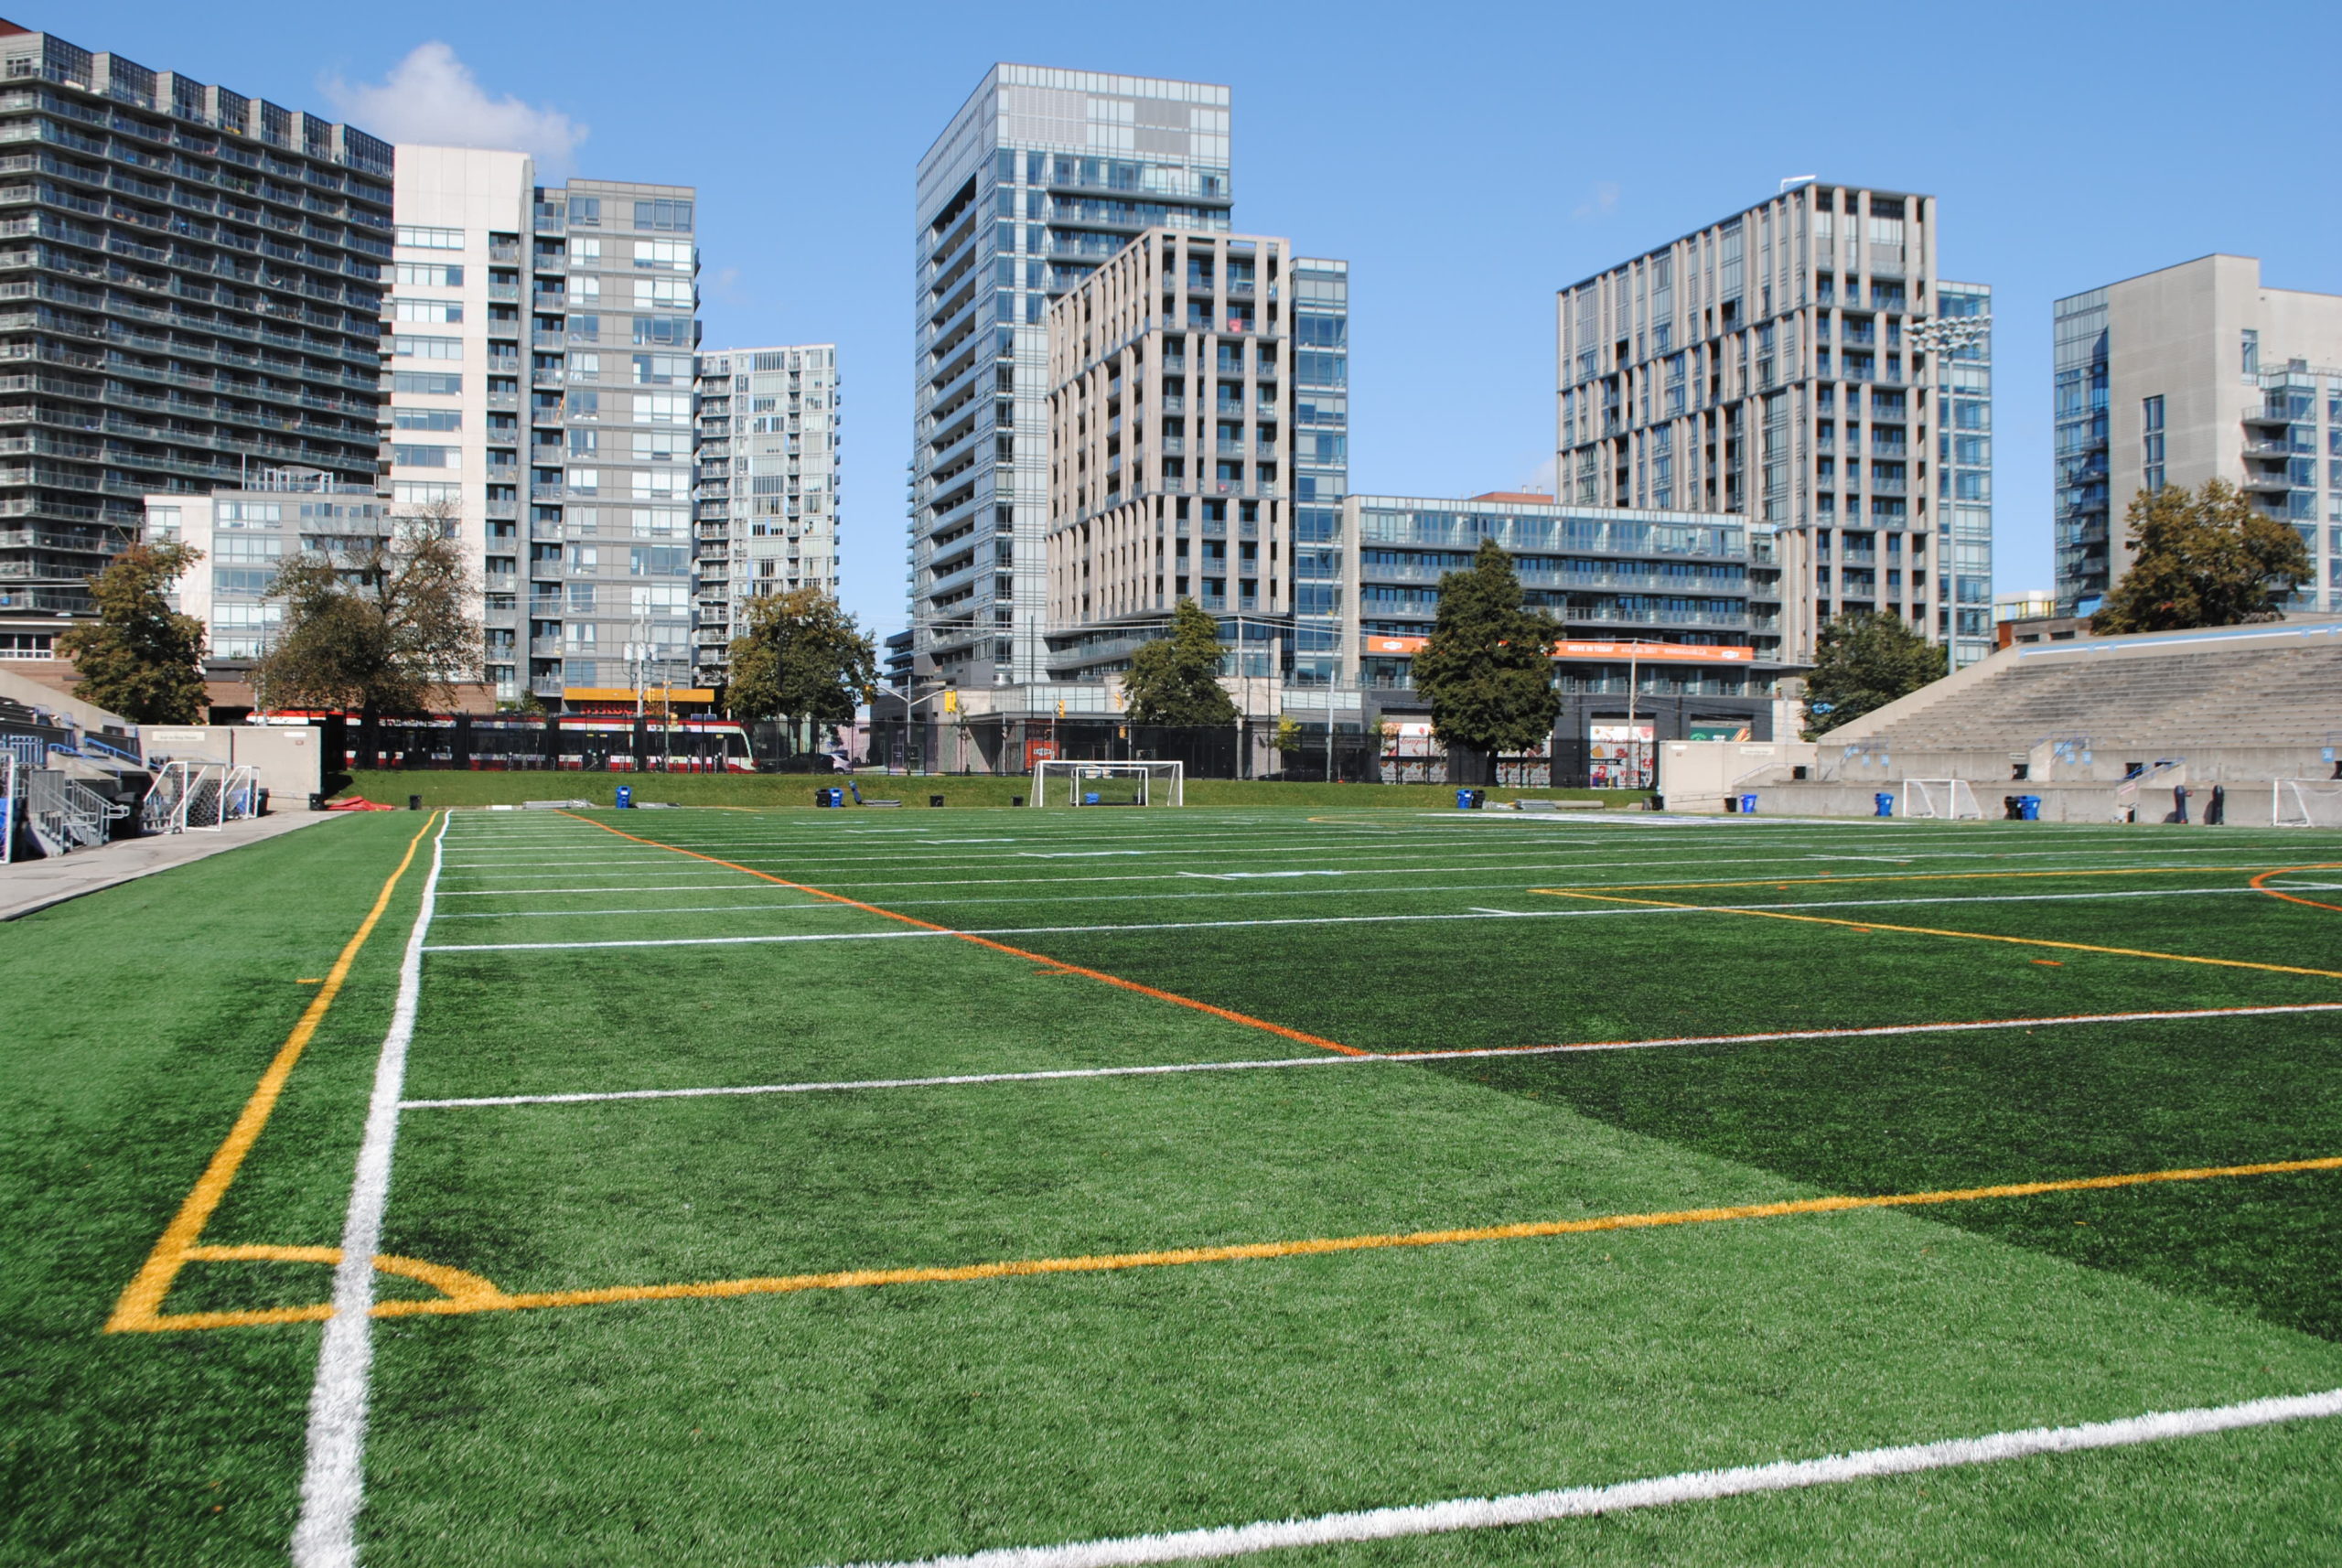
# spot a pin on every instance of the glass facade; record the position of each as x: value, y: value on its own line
x: 1041, y: 176
x: 1321, y: 361
x: 2081, y: 517
x: 208, y: 269
x: 1607, y: 573
x: 1963, y: 364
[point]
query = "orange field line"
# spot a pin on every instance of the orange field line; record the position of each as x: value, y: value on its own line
x: 1098, y: 974
x: 487, y: 1298
x: 1939, y: 931
x: 142, y: 1299
x: 2259, y: 882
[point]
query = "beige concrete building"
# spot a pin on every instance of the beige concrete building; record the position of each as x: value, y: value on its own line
x: 1777, y: 364
x: 2190, y: 373
x: 1170, y: 426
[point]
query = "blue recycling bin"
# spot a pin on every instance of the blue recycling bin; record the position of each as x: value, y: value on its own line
x: 1749, y: 805
x: 1469, y: 800
x: 626, y: 796
x: 2028, y: 808
x: 828, y: 795
x: 1090, y: 796
x: 1885, y: 803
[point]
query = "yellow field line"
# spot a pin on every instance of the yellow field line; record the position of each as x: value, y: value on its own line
x: 141, y: 1300
x: 483, y: 1297
x: 1939, y: 931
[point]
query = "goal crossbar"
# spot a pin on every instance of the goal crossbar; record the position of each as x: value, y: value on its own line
x: 1945, y: 800
x: 1109, y: 783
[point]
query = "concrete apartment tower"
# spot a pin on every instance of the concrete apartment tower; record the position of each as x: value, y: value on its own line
x: 1041, y: 176
x: 765, y: 505
x: 1774, y: 365
x: 541, y: 366
x: 199, y: 276
x: 2191, y: 374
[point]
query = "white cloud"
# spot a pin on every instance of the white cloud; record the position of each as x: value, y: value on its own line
x: 1600, y: 203
x: 1546, y: 479
x: 431, y: 99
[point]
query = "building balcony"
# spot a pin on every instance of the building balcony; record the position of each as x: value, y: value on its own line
x: 2267, y: 483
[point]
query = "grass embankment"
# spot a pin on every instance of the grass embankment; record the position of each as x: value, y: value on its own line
x: 774, y: 792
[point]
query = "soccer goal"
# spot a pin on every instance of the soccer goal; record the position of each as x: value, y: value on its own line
x: 1059, y: 783
x: 1946, y: 799
x: 2306, y: 803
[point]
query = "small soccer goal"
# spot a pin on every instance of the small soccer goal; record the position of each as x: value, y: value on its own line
x: 2306, y: 803
x: 1062, y: 783
x: 1946, y: 799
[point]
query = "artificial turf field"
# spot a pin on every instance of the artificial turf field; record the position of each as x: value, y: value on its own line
x: 776, y: 1188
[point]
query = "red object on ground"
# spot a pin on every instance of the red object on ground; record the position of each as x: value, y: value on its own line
x: 359, y: 803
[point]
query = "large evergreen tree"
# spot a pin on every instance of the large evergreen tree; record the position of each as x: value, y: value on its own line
x: 381, y: 627
x: 2204, y: 557
x: 801, y: 657
x: 1488, y: 671
x: 140, y: 658
x: 1863, y: 663
x: 1175, y: 680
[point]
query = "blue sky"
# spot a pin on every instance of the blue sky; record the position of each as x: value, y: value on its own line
x: 1468, y: 159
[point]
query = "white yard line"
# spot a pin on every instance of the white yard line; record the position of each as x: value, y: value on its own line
x: 1473, y: 914
x: 333, y: 1480
x: 1692, y: 1485
x: 1467, y: 1053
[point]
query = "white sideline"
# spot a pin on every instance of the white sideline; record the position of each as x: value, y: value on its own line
x: 1691, y: 1486
x: 1460, y: 1053
x: 333, y: 1479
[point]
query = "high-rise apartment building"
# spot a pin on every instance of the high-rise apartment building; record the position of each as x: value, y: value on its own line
x: 766, y: 506
x: 2191, y: 374
x: 1963, y: 372
x: 1040, y: 178
x: 541, y: 362
x: 195, y: 279
x: 1774, y: 365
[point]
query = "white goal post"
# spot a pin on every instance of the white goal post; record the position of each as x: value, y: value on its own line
x: 2305, y: 803
x: 1947, y: 800
x: 1109, y: 783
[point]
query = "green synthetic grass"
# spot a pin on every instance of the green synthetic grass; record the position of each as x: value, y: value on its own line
x: 909, y: 1420
x: 789, y: 791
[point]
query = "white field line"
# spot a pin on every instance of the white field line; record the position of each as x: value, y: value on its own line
x: 1348, y: 920
x: 333, y: 1480
x: 1691, y: 1486
x: 1467, y: 1053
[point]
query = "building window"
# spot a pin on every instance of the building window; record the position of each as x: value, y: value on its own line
x: 2251, y: 352
x: 2150, y: 443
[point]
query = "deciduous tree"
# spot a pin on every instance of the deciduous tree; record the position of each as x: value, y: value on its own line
x: 2205, y: 557
x: 380, y: 627
x: 1863, y: 663
x: 1175, y: 680
x: 140, y: 658
x: 801, y: 657
x: 1487, y: 670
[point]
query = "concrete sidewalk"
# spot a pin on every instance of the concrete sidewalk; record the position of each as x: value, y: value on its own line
x: 29, y: 884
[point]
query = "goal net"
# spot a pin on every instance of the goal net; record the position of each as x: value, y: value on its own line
x: 2306, y: 803
x: 1943, y: 798
x: 1059, y: 783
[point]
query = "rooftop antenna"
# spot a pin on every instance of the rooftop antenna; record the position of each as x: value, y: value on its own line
x: 1799, y: 179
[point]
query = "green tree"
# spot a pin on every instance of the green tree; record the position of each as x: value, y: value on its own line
x: 1863, y: 663
x: 1488, y: 671
x: 140, y: 658
x: 2205, y: 557
x: 1175, y: 680
x: 381, y: 625
x: 802, y: 658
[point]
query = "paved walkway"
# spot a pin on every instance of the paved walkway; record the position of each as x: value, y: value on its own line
x: 29, y: 884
